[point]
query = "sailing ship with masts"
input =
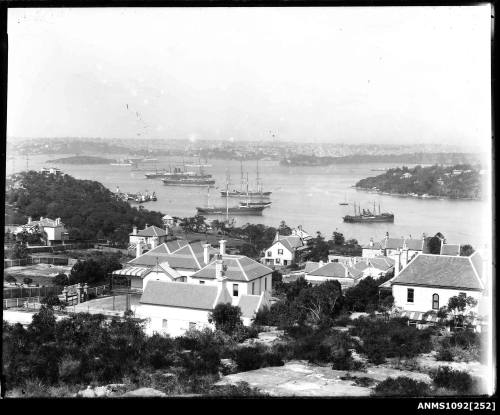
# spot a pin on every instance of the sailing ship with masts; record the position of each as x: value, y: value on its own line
x: 258, y: 193
x: 367, y: 216
x: 242, y: 209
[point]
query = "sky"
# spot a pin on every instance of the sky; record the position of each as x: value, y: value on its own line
x: 395, y: 75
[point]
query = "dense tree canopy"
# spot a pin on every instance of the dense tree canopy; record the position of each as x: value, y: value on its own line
x: 85, y: 207
x: 434, y: 180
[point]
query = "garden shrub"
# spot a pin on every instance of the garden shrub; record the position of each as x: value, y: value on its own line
x: 455, y: 380
x: 249, y: 358
x: 401, y: 386
x: 444, y: 354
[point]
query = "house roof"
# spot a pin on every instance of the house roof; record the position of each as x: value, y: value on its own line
x: 382, y: 263
x: 165, y: 269
x: 311, y: 266
x: 187, y: 256
x: 173, y: 246
x: 290, y: 242
x: 132, y: 272
x: 355, y: 273
x: 376, y: 245
x: 178, y: 294
x: 46, y: 223
x: 447, y: 249
x: 332, y: 269
x: 398, y: 243
x: 444, y: 271
x: 238, y: 268
x: 249, y: 305
x: 151, y: 231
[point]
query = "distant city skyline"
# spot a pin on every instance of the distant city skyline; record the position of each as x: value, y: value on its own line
x: 388, y: 75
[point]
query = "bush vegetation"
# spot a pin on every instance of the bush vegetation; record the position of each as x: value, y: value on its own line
x: 401, y: 386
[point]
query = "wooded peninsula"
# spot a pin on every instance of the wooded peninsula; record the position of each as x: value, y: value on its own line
x: 461, y: 181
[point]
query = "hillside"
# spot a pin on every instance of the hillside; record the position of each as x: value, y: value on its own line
x: 461, y: 181
x: 87, y: 208
x: 409, y: 158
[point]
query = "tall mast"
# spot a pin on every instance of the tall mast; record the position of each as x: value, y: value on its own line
x: 354, y: 208
x: 241, y: 175
x: 227, y: 204
x: 259, y: 187
x: 379, y: 208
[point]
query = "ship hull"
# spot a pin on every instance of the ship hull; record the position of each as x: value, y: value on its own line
x: 369, y: 219
x: 186, y: 183
x: 246, y: 195
x: 244, y: 211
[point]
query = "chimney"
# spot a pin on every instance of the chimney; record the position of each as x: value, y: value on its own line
x: 405, y: 248
x: 154, y: 242
x: 138, y: 249
x: 371, y: 242
x: 206, y: 253
x: 58, y: 221
x: 29, y: 220
x: 386, y: 236
x: 222, y: 244
x: 321, y: 263
x: 41, y: 218
x: 404, y: 259
x: 277, y: 236
x: 219, y: 268
x: 397, y: 264
x: 145, y: 227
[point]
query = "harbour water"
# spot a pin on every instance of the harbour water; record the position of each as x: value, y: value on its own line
x: 307, y: 196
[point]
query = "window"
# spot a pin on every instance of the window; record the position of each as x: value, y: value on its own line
x: 202, y: 282
x: 253, y: 288
x: 265, y: 283
x: 285, y: 262
x: 277, y: 260
x: 435, y: 301
x: 269, y: 253
x: 192, y: 326
x: 164, y: 324
x: 235, y: 290
x: 280, y: 251
x: 409, y: 297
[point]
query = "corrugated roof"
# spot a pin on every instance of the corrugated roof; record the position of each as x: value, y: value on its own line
x: 447, y: 249
x: 382, y: 263
x: 437, y: 270
x: 173, y: 246
x: 132, y: 271
x: 237, y: 268
x: 179, y: 294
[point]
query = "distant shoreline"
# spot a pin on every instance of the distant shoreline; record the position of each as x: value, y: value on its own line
x: 414, y: 195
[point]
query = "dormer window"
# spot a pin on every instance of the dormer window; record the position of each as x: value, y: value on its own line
x: 280, y: 251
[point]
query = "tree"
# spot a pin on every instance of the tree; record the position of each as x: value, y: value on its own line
x: 466, y: 250
x: 338, y: 238
x: 61, y: 279
x: 18, y: 251
x: 434, y: 245
x: 27, y: 280
x: 226, y: 317
x: 318, y: 248
x: 51, y: 301
x: 461, y: 307
x: 284, y: 229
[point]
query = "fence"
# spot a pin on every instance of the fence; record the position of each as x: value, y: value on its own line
x: 20, y: 292
x: 35, y: 260
x: 20, y: 302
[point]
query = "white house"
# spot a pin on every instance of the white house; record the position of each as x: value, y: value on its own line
x: 53, y: 230
x: 284, y: 251
x: 174, y: 308
x: 375, y: 267
x: 177, y: 259
x: 391, y: 247
x: 148, y: 238
x: 429, y: 281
